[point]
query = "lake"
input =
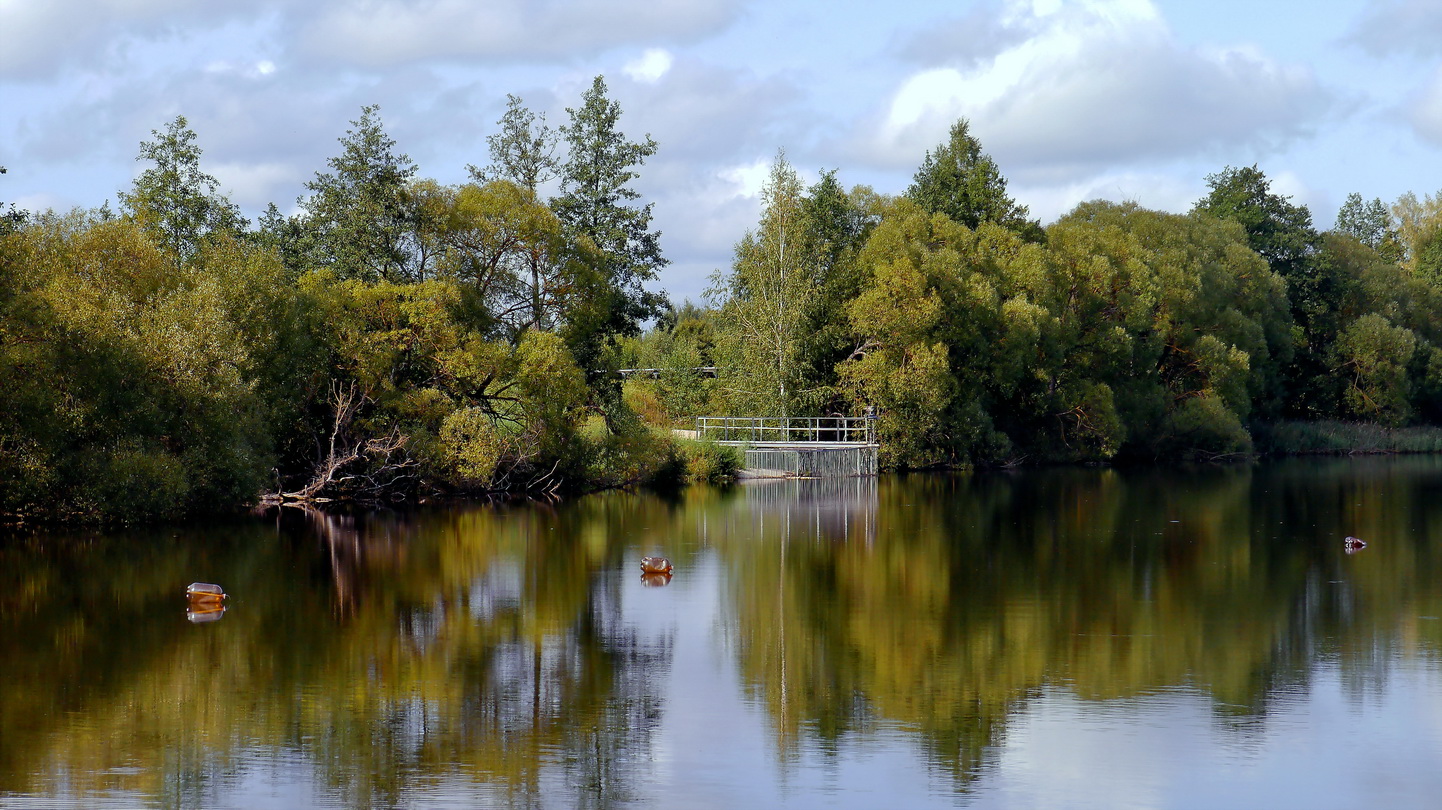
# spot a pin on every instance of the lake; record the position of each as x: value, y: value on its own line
x: 1058, y: 638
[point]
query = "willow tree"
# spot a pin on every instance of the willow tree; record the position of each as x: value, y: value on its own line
x: 766, y: 298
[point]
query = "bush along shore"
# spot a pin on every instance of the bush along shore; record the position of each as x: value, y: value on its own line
x: 398, y: 339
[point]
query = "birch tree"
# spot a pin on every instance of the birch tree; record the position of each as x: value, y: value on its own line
x: 766, y: 297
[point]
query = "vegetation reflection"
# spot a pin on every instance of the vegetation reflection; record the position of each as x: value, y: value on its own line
x: 390, y: 654
x: 946, y: 602
x: 488, y: 652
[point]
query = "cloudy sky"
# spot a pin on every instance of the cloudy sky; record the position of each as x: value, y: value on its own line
x: 1076, y: 99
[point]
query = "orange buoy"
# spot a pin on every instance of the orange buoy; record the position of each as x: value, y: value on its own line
x: 656, y: 565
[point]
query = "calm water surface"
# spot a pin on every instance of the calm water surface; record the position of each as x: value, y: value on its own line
x: 1062, y: 638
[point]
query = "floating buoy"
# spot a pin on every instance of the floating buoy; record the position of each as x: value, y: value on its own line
x: 204, y: 612
x: 204, y: 592
x: 1352, y: 545
x: 655, y: 565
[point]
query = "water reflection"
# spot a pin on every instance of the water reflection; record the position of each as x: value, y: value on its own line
x: 987, y: 591
x: 818, y: 639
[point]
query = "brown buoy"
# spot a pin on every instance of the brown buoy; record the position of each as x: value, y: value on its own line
x: 656, y: 565
x: 206, y: 602
x: 204, y: 592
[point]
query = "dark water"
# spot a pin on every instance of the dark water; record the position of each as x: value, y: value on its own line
x: 1062, y: 638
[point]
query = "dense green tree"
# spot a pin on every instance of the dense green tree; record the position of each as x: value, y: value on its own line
x: 359, y: 218
x: 1420, y: 232
x: 1282, y: 234
x: 1371, y: 224
x: 1204, y: 323
x: 837, y: 224
x: 141, y: 388
x: 596, y: 202
x: 524, y: 152
x: 912, y: 309
x: 512, y: 254
x: 1374, y: 355
x: 1278, y: 230
x: 174, y: 200
x: 959, y: 180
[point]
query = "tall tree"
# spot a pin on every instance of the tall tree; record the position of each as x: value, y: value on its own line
x: 1371, y: 224
x: 597, y: 203
x: 768, y: 296
x: 1281, y: 232
x: 959, y: 180
x: 174, y: 201
x: 837, y: 224
x: 523, y: 152
x: 1420, y: 232
x: 359, y: 216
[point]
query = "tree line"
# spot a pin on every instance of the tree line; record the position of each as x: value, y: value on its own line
x: 397, y: 337
x: 394, y: 338
x: 1115, y: 332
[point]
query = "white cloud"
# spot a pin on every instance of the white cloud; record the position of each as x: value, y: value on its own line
x: 39, y: 203
x: 254, y: 185
x: 1389, y: 27
x: 746, y: 180
x: 39, y: 39
x: 969, y: 40
x: 1155, y: 190
x: 385, y: 33
x: 650, y: 66
x: 1100, y: 82
x: 1426, y: 113
x: 708, y: 115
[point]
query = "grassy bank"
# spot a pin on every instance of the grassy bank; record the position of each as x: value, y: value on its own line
x: 1337, y: 437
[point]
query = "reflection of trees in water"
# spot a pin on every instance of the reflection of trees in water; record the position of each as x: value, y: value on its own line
x: 393, y: 656
x: 971, y: 594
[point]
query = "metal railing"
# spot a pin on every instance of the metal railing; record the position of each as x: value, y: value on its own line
x: 786, y: 429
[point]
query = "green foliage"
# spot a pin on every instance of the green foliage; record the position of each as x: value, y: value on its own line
x: 523, y: 152
x: 1371, y: 224
x: 1375, y: 355
x: 1419, y: 227
x: 1277, y: 230
x: 173, y: 200
x: 358, y: 217
x: 978, y: 346
x: 596, y: 203
x: 683, y: 342
x: 140, y: 389
x: 964, y: 184
x: 768, y: 295
x: 708, y: 462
